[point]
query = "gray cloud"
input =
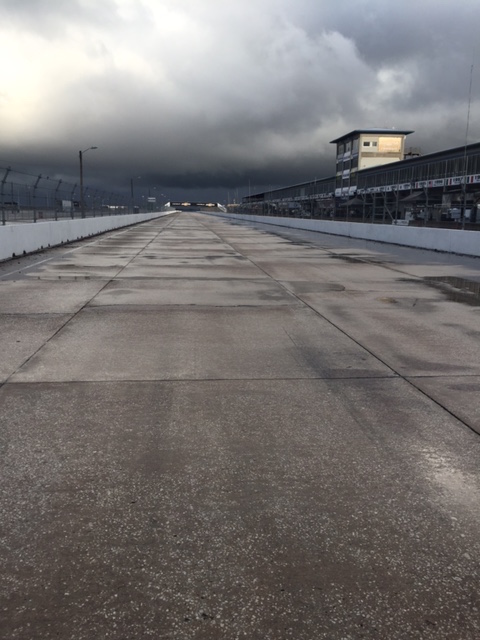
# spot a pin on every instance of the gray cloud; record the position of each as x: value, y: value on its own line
x: 199, y: 95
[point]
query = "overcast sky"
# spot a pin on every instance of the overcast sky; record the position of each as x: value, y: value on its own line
x: 208, y: 96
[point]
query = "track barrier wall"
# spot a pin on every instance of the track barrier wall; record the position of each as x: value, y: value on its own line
x: 447, y: 240
x: 20, y: 239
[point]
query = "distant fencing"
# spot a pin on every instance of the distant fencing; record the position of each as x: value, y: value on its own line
x: 27, y: 197
x: 371, y: 210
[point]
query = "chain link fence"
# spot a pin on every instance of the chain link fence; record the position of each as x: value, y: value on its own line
x: 26, y: 197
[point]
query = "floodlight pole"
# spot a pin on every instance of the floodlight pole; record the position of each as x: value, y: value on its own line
x: 465, y: 160
x: 7, y: 171
x: 82, y: 199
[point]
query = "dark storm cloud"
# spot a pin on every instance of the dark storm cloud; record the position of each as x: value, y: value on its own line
x: 221, y: 93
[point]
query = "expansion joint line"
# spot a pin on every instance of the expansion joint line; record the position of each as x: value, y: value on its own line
x: 108, y: 281
x: 398, y: 375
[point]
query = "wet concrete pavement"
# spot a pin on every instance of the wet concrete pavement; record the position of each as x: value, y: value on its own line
x: 215, y: 431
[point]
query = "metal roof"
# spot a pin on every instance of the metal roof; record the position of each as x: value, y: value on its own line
x: 356, y: 132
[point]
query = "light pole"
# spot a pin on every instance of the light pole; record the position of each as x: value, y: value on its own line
x: 132, y: 196
x: 82, y: 200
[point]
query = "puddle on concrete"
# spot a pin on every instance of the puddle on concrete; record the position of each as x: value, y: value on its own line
x: 300, y: 287
x: 457, y: 289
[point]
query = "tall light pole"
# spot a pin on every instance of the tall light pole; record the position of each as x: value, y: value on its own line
x: 465, y: 159
x: 82, y: 200
x: 132, y: 197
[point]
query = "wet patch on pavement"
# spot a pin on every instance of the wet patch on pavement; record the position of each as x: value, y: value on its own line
x: 312, y: 287
x: 457, y: 289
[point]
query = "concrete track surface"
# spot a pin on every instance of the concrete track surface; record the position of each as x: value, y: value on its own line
x: 214, y: 430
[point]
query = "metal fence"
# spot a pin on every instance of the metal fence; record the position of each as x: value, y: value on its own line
x: 434, y: 209
x: 26, y: 197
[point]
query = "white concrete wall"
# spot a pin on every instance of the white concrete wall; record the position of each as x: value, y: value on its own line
x: 449, y: 240
x: 19, y: 239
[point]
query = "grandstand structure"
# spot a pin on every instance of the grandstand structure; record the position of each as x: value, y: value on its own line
x: 377, y: 181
